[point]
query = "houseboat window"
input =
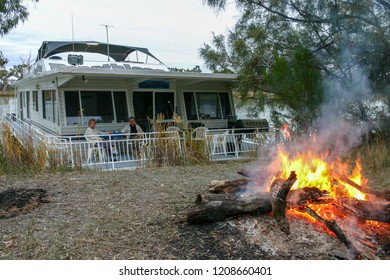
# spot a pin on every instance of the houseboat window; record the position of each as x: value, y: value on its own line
x: 207, y: 105
x: 225, y: 104
x: 81, y: 106
x: 121, y: 112
x: 189, y: 100
x: 72, y: 104
x: 97, y: 103
x: 28, y: 104
x: 35, y: 100
x: 143, y: 105
x: 22, y: 101
x: 49, y: 105
x: 150, y: 104
x: 164, y: 104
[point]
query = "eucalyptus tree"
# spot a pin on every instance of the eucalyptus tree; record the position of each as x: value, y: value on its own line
x: 12, y: 12
x: 284, y: 49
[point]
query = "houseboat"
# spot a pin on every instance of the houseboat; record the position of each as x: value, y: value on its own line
x: 73, y: 81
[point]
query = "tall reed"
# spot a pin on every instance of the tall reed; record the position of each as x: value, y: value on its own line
x: 172, y: 147
x: 374, y: 154
x: 26, y: 155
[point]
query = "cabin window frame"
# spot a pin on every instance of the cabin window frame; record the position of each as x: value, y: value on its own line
x: 50, y: 115
x: 154, y: 93
x: 35, y: 106
x: 28, y: 112
x: 195, y: 96
x: 82, y: 118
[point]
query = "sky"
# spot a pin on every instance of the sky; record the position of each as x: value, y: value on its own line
x: 172, y: 30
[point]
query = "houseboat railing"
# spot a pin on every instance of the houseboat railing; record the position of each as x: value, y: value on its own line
x: 167, y: 147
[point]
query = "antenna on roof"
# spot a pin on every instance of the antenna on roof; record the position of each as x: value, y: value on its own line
x: 108, y: 44
x: 72, y: 33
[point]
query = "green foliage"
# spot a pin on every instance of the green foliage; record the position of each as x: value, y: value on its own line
x: 296, y: 84
x: 283, y: 49
x: 195, y: 69
x: 12, y: 12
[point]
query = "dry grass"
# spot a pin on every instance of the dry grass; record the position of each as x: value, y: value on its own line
x: 106, y: 215
x: 375, y: 156
x: 18, y: 157
x: 140, y: 214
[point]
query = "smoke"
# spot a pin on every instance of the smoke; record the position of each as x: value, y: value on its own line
x: 337, y: 130
x: 340, y: 127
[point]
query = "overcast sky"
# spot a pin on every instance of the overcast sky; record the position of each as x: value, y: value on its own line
x: 172, y: 30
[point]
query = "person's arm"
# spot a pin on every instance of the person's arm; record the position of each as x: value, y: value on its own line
x: 90, y: 135
x: 126, y: 130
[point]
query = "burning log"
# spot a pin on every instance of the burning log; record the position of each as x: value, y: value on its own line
x: 224, y: 201
x: 333, y: 227
x: 278, y: 200
x: 307, y: 195
x: 366, y: 210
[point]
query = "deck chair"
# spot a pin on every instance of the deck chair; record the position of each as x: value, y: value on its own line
x: 173, y: 128
x: 219, y: 142
x: 200, y: 133
x: 96, y: 149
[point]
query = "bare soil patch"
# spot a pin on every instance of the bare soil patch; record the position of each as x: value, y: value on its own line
x: 140, y: 214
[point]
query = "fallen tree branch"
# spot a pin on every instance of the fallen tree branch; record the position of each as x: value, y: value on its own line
x: 333, y: 227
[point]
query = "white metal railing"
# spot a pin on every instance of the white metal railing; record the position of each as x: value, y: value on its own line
x: 117, y: 150
x: 240, y: 143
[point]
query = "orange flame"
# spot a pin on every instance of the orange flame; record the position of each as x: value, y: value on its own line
x: 314, y: 171
x: 285, y: 129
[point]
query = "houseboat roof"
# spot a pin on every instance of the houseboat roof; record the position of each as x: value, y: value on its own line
x: 66, y: 74
x: 116, y: 52
x: 51, y: 66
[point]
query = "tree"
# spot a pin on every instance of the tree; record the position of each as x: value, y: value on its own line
x: 16, y: 72
x: 12, y: 12
x: 4, y: 74
x: 337, y: 36
x: 196, y: 69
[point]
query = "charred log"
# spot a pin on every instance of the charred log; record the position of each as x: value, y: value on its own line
x: 366, y: 210
x: 226, y: 186
x: 218, y: 207
x: 333, y: 227
x: 308, y: 195
x: 279, y: 194
x: 228, y: 198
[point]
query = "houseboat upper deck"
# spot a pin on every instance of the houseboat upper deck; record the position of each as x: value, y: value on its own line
x: 67, y: 85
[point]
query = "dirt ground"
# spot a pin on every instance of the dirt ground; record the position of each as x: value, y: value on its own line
x: 140, y: 214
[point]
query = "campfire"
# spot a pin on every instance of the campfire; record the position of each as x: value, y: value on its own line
x: 308, y: 185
